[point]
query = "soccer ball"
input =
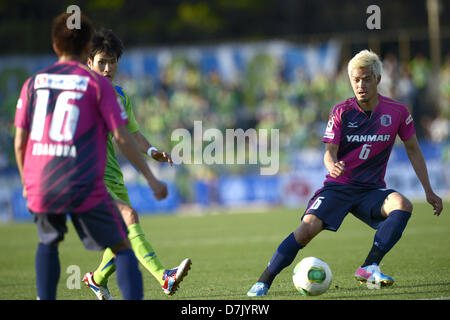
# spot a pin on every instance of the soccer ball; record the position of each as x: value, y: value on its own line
x: 312, y: 276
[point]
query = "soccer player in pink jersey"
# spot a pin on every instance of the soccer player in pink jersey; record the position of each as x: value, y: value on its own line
x: 63, y: 116
x: 358, y: 142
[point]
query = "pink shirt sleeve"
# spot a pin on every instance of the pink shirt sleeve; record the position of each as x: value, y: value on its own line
x: 22, y: 119
x: 406, y: 129
x: 333, y: 130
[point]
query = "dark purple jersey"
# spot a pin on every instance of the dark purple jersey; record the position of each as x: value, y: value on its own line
x: 366, y: 141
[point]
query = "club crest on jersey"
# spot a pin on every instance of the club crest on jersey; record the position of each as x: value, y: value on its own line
x: 386, y: 120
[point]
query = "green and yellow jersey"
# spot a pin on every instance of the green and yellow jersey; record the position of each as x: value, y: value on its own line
x: 113, y: 174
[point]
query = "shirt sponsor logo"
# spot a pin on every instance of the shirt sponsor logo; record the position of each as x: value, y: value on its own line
x: 368, y: 138
x: 352, y: 125
x: 409, y: 120
x: 61, y: 81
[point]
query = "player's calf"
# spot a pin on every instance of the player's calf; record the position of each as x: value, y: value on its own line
x: 129, y: 278
x: 387, y: 235
x: 308, y: 229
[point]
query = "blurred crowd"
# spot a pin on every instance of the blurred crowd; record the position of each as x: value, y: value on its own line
x: 427, y: 97
x: 263, y: 97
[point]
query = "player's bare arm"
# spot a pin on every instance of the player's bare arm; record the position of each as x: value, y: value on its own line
x: 145, y: 145
x: 334, y: 167
x: 20, y: 146
x: 418, y: 163
x: 131, y: 150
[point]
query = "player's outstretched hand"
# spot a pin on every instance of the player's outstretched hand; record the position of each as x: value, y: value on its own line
x: 436, y: 202
x: 159, y: 189
x: 162, y: 156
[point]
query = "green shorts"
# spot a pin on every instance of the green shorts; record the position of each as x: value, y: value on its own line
x: 118, y: 191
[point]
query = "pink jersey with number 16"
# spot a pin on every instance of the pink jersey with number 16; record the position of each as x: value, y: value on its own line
x: 68, y: 111
x: 366, y: 141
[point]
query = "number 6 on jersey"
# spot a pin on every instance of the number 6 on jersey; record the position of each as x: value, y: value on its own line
x: 365, y: 150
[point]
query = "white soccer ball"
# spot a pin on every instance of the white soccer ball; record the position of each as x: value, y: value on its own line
x: 312, y: 276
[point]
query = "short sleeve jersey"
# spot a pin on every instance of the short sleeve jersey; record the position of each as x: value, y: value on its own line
x: 113, y: 173
x: 365, y: 141
x: 68, y: 111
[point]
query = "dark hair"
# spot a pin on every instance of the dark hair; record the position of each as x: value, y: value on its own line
x: 106, y: 41
x: 71, y: 41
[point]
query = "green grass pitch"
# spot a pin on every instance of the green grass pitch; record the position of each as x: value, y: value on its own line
x: 229, y: 252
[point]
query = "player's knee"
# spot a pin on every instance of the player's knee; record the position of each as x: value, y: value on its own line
x: 404, y: 204
x: 121, y: 246
x: 407, y: 205
x: 396, y: 201
x: 308, y: 229
x: 129, y: 215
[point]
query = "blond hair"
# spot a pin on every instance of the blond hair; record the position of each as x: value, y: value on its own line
x: 365, y: 59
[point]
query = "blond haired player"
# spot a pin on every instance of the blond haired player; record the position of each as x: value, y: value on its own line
x: 358, y: 141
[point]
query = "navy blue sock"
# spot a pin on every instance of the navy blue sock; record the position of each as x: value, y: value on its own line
x: 391, y: 229
x: 129, y: 278
x: 387, y: 235
x: 283, y: 257
x: 47, y: 271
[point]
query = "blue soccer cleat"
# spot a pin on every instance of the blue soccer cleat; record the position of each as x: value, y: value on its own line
x: 258, y: 289
x: 373, y: 275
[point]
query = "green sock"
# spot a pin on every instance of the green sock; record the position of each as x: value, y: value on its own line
x: 145, y: 253
x: 106, y: 268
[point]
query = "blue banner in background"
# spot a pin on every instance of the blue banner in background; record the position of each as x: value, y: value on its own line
x: 248, y: 189
x: 204, y: 193
x: 291, y: 188
x: 19, y: 206
x: 230, y: 60
x: 143, y: 200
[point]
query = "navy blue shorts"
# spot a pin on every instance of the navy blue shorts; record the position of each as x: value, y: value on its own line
x: 99, y: 228
x: 333, y: 202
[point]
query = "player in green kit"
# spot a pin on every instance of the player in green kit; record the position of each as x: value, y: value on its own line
x: 105, y: 52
